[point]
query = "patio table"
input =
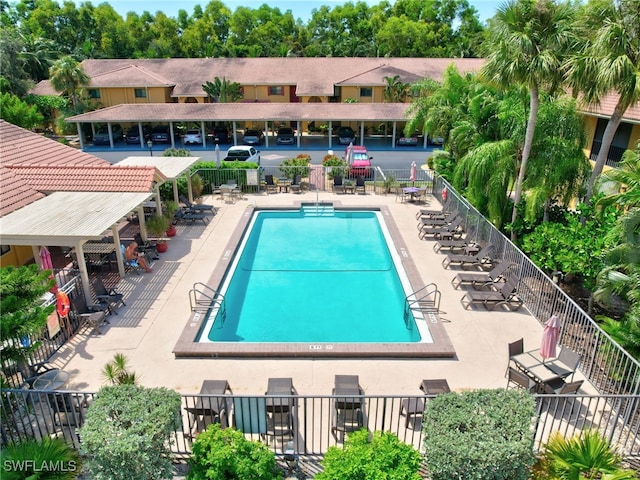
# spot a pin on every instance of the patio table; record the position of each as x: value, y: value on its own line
x: 535, y: 366
x: 411, y: 191
x: 51, y: 380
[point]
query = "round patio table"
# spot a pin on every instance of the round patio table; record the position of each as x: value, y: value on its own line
x: 51, y: 380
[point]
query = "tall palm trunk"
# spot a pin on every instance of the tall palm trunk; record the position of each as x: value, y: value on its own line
x: 534, y: 103
x: 607, y: 140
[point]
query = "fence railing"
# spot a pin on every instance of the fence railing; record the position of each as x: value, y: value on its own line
x: 312, y: 422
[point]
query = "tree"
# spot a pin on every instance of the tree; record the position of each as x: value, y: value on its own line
x: 21, y: 310
x: 223, y: 91
x: 19, y: 112
x: 609, y: 61
x: 395, y: 89
x: 527, y: 43
x: 116, y: 372
x: 67, y: 77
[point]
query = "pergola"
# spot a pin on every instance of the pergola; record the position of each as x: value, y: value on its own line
x: 70, y: 219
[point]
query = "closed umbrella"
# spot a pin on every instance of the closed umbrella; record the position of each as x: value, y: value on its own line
x: 349, y: 153
x: 217, y: 155
x: 45, y: 259
x: 550, y: 337
x: 412, y: 175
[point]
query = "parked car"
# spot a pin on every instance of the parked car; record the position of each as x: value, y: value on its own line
x: 221, y: 134
x: 133, y: 135
x: 243, y: 153
x: 192, y: 136
x: 407, y: 141
x: 360, y: 162
x: 285, y: 136
x: 160, y: 134
x: 253, y: 137
x: 101, y: 137
x: 346, y: 136
x: 435, y: 140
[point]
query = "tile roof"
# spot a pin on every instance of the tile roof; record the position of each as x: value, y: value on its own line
x: 608, y: 104
x: 22, y: 147
x: 177, y: 112
x: 15, y: 193
x: 130, y: 76
x: 88, y: 179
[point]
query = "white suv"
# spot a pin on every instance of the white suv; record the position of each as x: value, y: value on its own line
x: 243, y: 153
x: 192, y: 136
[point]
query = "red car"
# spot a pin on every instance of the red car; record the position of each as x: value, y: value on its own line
x: 360, y: 162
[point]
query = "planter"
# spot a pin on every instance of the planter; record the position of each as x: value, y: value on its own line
x: 162, y: 247
x: 171, y: 231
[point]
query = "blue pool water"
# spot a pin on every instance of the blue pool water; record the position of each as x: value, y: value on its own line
x: 308, y: 278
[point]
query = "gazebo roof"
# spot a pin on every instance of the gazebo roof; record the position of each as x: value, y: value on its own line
x: 170, y: 167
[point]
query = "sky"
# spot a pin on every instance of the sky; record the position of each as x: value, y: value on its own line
x: 300, y: 8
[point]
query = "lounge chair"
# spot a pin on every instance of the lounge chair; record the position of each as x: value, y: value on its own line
x: 210, y: 407
x: 450, y: 231
x: 482, y: 281
x: 446, y: 208
x: 279, y: 407
x: 338, y: 185
x: 360, y: 184
x: 109, y: 296
x: 295, y: 185
x: 270, y: 184
x: 437, y: 222
x: 482, y: 259
x: 566, y: 363
x: 94, y: 315
x: 347, y: 412
x: 504, y: 295
x: 185, y: 216
x: 197, y: 207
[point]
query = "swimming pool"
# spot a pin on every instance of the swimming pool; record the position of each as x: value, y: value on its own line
x: 305, y: 276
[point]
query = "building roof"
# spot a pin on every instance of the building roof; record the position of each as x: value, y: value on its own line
x: 608, y: 104
x: 68, y: 218
x: 15, y: 192
x: 49, y: 179
x: 171, y: 167
x: 193, y: 112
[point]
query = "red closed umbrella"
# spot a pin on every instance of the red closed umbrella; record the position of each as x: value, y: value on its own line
x: 45, y: 259
x: 550, y: 337
x: 413, y: 174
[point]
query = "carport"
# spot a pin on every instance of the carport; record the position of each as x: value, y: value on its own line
x: 70, y: 219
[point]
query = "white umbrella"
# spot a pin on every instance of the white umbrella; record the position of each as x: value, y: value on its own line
x: 217, y: 155
x: 412, y: 176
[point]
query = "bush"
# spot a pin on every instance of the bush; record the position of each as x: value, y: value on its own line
x: 382, y: 456
x: 296, y: 166
x: 49, y: 458
x: 480, y: 435
x: 338, y: 165
x: 219, y: 454
x: 127, y: 432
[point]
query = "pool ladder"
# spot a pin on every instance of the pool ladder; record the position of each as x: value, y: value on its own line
x: 203, y: 298
x: 426, y: 300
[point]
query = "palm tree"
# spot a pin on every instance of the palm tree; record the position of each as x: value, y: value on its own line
x: 395, y: 90
x: 67, y: 77
x: 223, y: 91
x: 116, y: 372
x: 608, y: 61
x: 528, y: 42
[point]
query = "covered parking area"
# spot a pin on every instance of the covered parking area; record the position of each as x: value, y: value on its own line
x: 70, y: 219
x: 239, y: 113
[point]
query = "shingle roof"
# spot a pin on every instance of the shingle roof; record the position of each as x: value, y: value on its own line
x: 15, y: 193
x: 177, y: 112
x: 88, y: 179
x: 22, y: 147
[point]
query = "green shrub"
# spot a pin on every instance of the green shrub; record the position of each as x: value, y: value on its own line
x: 338, y: 165
x: 49, y: 458
x: 176, y: 152
x: 220, y: 454
x: 379, y: 456
x: 296, y: 166
x: 480, y: 435
x: 127, y: 432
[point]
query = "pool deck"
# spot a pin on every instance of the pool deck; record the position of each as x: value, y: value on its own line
x: 157, y: 311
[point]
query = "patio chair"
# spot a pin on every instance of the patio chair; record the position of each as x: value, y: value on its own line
x: 360, y: 184
x: 437, y: 222
x: 347, y: 413
x: 435, y: 213
x: 130, y: 265
x: 182, y: 215
x: 400, y: 192
x: 270, y: 184
x: 109, y: 296
x: 94, y: 315
x: 483, y: 259
x: 482, y: 281
x: 210, y: 407
x: 515, y: 348
x: 68, y: 406
x: 560, y: 387
x: 453, y: 230
x: 296, y: 184
x: 148, y: 248
x: 338, y: 184
x: 279, y: 391
x: 197, y: 207
x: 504, y: 294
x: 566, y: 363
x: 521, y: 380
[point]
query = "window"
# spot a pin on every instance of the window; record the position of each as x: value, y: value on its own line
x: 276, y: 91
x: 94, y: 93
x: 140, y: 93
x: 366, y: 92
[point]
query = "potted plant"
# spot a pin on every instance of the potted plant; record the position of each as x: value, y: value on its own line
x: 170, y: 208
x: 157, y: 225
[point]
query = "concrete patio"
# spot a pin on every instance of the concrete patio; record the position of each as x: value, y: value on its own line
x: 146, y: 330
